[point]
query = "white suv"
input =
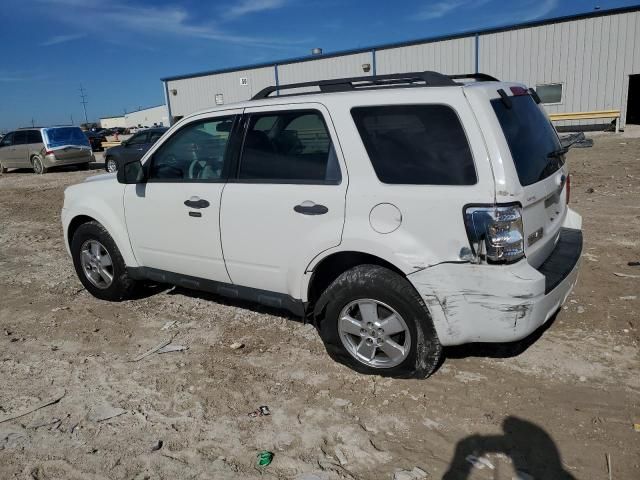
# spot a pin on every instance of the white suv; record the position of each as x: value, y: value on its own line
x: 399, y: 213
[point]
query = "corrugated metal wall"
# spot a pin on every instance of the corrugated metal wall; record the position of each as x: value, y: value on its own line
x: 592, y: 58
x: 449, y: 56
x: 193, y: 94
x: 147, y: 117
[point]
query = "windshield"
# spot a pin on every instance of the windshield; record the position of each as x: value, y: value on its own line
x: 61, y: 136
x: 533, y: 141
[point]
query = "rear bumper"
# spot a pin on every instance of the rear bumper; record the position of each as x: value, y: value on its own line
x: 493, y: 303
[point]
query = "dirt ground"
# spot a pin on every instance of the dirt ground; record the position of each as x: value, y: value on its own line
x: 553, y: 406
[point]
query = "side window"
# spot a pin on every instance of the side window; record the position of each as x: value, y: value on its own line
x: 7, y: 140
x: 289, y: 147
x: 20, y: 137
x: 416, y: 144
x: 195, y: 152
x: 154, y: 136
x: 138, y: 139
x: 34, y: 136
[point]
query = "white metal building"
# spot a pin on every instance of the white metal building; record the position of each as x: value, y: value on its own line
x: 579, y: 63
x: 148, y: 117
x: 112, y: 122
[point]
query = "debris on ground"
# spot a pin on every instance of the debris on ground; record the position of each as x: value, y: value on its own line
x: 169, y: 324
x: 590, y: 190
x: 105, y: 412
x: 157, y: 446
x: 57, y: 309
x: 415, y: 474
x: 265, y: 458
x: 633, y: 264
x: 172, y: 348
x: 636, y: 427
x: 479, y: 462
x: 342, y: 458
x: 153, y: 350
x: 625, y: 275
x: 236, y: 345
x: 628, y: 297
x: 54, y: 399
x: 261, y: 411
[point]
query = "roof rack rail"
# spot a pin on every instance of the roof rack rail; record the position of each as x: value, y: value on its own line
x: 430, y: 79
x: 479, y: 77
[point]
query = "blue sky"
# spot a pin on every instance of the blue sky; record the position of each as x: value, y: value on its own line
x: 118, y: 50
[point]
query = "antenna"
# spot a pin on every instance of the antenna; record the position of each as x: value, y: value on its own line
x: 83, y: 101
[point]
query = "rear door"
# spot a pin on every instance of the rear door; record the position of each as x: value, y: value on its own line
x: 20, y: 151
x: 539, y: 162
x: 286, y: 204
x: 69, y: 144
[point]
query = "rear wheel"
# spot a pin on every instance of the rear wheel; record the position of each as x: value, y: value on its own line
x: 373, y: 320
x: 99, y: 264
x: 111, y: 165
x: 38, y: 165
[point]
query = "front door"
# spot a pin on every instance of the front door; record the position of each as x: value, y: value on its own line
x: 286, y: 204
x: 173, y: 218
x: 8, y: 151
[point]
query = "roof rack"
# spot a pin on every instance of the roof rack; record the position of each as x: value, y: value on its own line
x: 416, y: 79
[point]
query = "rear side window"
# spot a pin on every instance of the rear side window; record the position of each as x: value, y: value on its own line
x: 20, y: 137
x: 416, y: 144
x: 532, y: 140
x: 289, y: 147
x: 34, y: 136
x: 61, y: 136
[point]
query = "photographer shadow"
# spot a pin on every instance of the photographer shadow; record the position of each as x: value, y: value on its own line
x: 533, y: 452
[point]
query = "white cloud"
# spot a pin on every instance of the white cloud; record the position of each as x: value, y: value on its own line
x: 439, y: 9
x: 58, y: 39
x: 245, y: 7
x: 164, y: 20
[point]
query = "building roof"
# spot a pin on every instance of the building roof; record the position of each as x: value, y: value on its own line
x: 145, y: 108
x: 439, y: 38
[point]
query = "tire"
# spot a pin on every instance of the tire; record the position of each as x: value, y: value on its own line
x: 122, y: 287
x: 38, y: 165
x: 111, y: 165
x: 391, y: 294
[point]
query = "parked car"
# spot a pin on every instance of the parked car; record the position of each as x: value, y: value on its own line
x: 43, y: 148
x: 96, y: 139
x: 132, y: 149
x: 398, y: 220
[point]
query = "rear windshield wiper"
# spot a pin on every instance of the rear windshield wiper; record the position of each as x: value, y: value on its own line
x: 558, y: 153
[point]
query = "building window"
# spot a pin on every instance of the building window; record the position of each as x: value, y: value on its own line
x: 550, y: 93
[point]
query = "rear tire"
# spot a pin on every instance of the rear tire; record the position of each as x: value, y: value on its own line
x: 38, y: 165
x: 111, y: 165
x: 94, y: 270
x: 408, y: 348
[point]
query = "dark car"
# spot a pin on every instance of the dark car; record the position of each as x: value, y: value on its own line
x: 132, y: 149
x: 96, y: 139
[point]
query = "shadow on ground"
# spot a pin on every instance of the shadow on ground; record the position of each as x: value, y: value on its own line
x: 531, y: 449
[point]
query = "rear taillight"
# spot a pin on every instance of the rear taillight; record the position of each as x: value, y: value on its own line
x: 568, y: 188
x: 49, y: 152
x: 495, y: 232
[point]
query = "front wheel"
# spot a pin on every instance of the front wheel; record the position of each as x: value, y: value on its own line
x: 99, y: 264
x: 374, y: 321
x: 111, y: 165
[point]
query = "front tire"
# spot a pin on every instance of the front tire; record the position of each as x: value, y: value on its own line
x: 99, y: 264
x: 111, y: 165
x: 372, y: 320
x: 38, y: 165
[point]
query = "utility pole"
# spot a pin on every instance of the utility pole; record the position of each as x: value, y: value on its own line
x: 72, y: 120
x: 33, y: 122
x: 83, y: 101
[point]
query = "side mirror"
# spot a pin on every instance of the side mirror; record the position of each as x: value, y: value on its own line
x: 131, y: 172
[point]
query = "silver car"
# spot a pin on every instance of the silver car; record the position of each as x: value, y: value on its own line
x: 43, y: 148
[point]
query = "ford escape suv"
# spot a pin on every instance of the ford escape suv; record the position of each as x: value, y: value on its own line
x: 43, y: 148
x: 398, y: 213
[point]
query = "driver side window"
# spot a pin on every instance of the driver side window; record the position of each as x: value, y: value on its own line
x: 194, y: 153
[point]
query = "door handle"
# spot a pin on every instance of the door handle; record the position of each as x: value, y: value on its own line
x: 310, y: 208
x: 196, y: 202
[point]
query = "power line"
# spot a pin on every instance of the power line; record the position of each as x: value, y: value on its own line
x: 83, y: 101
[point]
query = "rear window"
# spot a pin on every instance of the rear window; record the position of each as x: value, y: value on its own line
x: 61, y: 136
x: 416, y: 144
x: 531, y: 138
